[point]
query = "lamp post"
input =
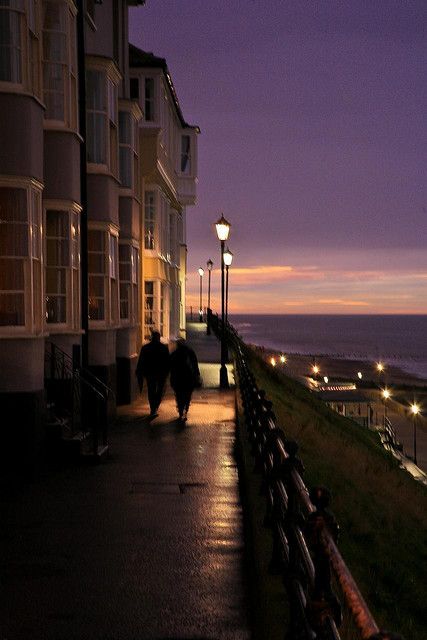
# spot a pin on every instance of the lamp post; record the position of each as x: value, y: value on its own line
x: 415, y: 409
x: 222, y: 231
x: 386, y: 395
x: 228, y: 259
x: 201, y: 272
x: 209, y: 265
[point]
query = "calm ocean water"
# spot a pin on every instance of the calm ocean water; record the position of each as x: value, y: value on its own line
x: 398, y: 339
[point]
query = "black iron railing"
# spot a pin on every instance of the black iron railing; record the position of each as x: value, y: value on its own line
x: 321, y: 589
x: 77, y: 397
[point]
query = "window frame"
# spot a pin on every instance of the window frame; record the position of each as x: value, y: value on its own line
x: 110, y: 275
x: 32, y: 260
x: 111, y: 80
x: 72, y: 270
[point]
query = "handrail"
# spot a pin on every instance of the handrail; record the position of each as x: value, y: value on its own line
x: 304, y: 530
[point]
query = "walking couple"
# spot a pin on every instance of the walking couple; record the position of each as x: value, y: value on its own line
x: 155, y: 363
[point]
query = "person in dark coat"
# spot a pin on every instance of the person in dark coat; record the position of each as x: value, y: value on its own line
x: 153, y: 364
x: 185, y: 376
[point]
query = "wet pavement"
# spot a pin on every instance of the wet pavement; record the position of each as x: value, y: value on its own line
x: 147, y: 544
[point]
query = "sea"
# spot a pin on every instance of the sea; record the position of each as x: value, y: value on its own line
x: 399, y: 340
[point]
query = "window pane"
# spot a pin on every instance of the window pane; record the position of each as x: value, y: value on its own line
x: 134, y: 89
x: 58, y: 253
x: 96, y: 286
x: 12, y: 311
x: 149, y: 99
x: 125, y: 127
x: 96, y: 94
x: 149, y: 287
x: 95, y: 240
x: 56, y: 309
x: 57, y: 224
x: 125, y: 160
x: 185, y: 155
x: 10, y: 45
x: 56, y: 280
x: 11, y: 275
x: 13, y: 204
x: 14, y: 240
x: 96, y: 263
x: 97, y: 138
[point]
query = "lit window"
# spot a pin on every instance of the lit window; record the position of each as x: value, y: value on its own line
x: 186, y: 155
x: 149, y: 220
x: 150, y: 314
x: 103, y: 281
x: 11, y: 16
x: 20, y: 259
x: 149, y: 99
x: 129, y: 265
x: 62, y: 268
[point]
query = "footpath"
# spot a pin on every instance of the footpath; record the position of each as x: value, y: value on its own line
x: 145, y: 545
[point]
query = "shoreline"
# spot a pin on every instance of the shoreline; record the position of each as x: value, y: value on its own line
x: 333, y: 366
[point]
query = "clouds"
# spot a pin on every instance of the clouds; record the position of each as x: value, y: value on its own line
x: 291, y: 289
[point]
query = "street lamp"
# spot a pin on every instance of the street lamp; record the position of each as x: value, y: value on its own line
x: 209, y: 265
x: 228, y: 259
x: 385, y: 395
x: 415, y: 410
x: 222, y: 231
x: 359, y: 375
x: 283, y: 359
x: 316, y: 370
x: 201, y: 272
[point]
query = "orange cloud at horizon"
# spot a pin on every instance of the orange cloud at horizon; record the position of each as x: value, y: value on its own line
x: 310, y: 289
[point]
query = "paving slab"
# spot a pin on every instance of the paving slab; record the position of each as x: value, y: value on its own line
x: 147, y: 544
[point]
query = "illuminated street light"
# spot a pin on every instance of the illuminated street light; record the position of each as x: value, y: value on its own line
x: 325, y: 379
x: 359, y: 375
x: 283, y: 359
x: 209, y: 265
x: 415, y: 410
x: 223, y: 231
x: 385, y: 395
x: 273, y: 362
x: 201, y: 273
x: 315, y: 370
x: 228, y: 259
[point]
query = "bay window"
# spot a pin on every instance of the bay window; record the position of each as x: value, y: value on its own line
x: 150, y: 220
x: 101, y: 118
x: 21, y: 286
x: 125, y: 149
x: 63, y: 268
x: 11, y: 40
x: 128, y: 268
x: 156, y: 307
x: 59, y: 63
x: 103, y: 276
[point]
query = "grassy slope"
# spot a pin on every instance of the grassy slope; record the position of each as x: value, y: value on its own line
x: 381, y: 509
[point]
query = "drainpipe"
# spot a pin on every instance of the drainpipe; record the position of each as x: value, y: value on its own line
x: 81, y: 67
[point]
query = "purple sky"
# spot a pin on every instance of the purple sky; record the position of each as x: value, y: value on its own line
x: 313, y: 145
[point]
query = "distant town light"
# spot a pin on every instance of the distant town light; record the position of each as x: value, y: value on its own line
x: 326, y: 379
x: 380, y: 367
x: 273, y: 362
x: 415, y: 409
x: 359, y: 375
x: 316, y: 369
x: 386, y: 394
x: 283, y: 359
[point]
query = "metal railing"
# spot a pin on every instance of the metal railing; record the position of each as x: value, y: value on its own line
x: 77, y: 396
x: 305, y: 532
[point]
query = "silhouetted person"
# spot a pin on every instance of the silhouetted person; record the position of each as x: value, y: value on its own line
x: 185, y: 376
x: 153, y: 365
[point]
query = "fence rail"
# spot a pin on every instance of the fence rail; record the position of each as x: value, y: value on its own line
x: 305, y: 532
